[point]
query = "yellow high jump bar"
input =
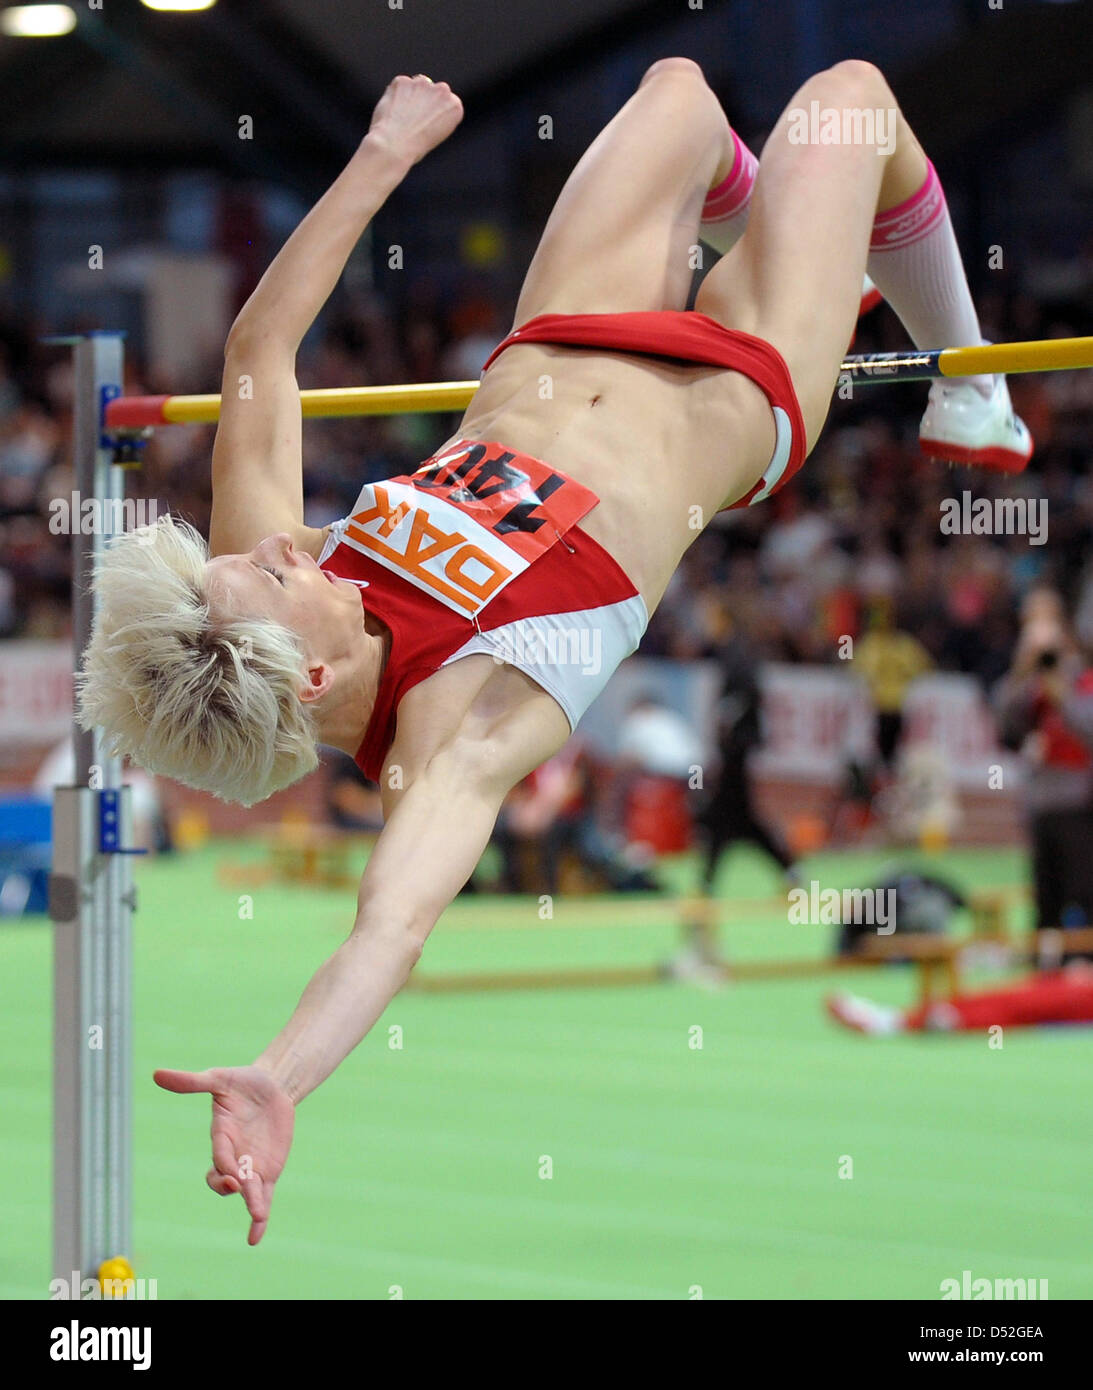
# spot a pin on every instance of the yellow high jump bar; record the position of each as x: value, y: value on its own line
x: 1044, y: 355
x: 136, y: 412
x: 1041, y: 355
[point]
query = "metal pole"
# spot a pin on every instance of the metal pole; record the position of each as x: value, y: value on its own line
x: 91, y: 904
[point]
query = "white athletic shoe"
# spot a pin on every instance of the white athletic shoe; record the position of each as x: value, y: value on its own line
x: 964, y: 426
x: 864, y: 1016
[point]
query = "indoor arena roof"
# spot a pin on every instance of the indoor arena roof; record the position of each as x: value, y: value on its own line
x: 131, y: 87
x: 136, y: 88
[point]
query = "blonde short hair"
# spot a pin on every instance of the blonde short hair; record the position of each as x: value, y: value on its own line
x: 213, y: 703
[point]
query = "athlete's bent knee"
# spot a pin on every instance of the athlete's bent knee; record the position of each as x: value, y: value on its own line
x: 862, y: 76
x: 679, y: 66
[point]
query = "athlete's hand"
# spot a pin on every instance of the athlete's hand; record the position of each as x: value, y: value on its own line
x: 251, y: 1131
x: 414, y: 115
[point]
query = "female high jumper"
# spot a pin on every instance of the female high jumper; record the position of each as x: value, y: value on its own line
x: 451, y: 631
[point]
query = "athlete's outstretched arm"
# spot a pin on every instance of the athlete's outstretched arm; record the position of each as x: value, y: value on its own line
x: 425, y: 853
x: 257, y: 458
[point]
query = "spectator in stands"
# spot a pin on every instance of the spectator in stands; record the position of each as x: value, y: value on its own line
x: 1045, y: 711
x: 554, y: 812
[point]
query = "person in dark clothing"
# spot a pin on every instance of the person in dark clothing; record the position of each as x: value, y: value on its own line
x: 920, y: 903
x: 352, y: 801
x: 730, y: 813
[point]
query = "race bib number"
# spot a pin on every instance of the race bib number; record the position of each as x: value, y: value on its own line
x: 467, y: 522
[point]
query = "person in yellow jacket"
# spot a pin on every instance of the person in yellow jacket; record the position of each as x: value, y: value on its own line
x: 889, y: 660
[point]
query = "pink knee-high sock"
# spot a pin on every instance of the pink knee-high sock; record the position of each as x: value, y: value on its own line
x: 725, y: 211
x: 915, y: 262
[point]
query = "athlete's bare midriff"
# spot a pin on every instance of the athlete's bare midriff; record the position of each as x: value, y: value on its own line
x: 652, y: 439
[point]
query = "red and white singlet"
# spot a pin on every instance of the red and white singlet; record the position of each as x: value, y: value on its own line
x: 479, y: 550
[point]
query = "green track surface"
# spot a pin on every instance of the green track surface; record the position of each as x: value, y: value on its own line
x: 673, y: 1167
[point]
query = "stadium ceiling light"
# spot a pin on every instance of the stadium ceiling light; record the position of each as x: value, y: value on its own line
x: 178, y: 5
x: 37, y: 21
